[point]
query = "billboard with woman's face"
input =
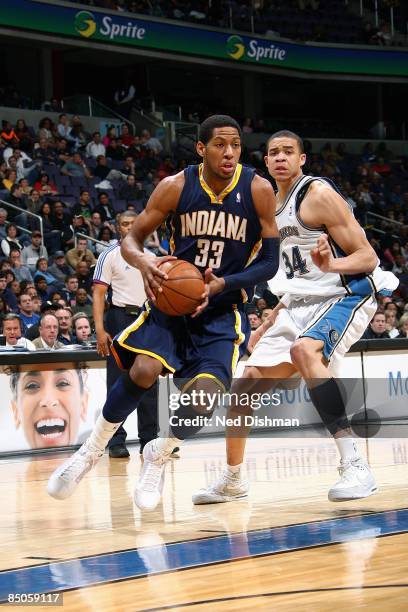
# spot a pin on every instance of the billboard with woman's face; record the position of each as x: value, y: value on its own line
x: 52, y: 405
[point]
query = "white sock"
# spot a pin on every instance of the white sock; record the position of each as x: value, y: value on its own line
x: 347, y: 448
x: 234, y: 469
x: 167, y: 444
x: 102, y: 433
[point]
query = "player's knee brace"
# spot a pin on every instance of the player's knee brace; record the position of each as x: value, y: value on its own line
x: 329, y: 403
x: 123, y: 398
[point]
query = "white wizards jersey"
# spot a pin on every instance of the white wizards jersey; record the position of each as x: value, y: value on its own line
x: 298, y: 275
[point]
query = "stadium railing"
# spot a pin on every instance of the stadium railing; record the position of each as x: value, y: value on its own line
x: 30, y: 214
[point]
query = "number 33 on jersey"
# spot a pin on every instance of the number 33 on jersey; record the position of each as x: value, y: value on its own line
x: 219, y: 232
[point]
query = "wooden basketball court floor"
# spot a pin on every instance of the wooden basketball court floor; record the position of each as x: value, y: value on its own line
x: 284, y: 547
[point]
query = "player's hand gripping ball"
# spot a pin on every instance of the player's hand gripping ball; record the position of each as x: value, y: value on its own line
x: 182, y: 291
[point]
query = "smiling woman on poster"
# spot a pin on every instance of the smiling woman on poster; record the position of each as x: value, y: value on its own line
x: 49, y: 404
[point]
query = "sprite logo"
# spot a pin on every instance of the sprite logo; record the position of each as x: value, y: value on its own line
x: 85, y: 24
x: 235, y: 47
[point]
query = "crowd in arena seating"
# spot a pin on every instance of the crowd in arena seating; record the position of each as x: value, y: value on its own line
x: 77, y: 183
x: 316, y: 20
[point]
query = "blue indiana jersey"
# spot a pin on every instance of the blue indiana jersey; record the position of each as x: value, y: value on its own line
x: 220, y: 232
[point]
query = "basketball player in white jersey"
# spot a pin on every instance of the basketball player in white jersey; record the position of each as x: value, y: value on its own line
x: 327, y: 281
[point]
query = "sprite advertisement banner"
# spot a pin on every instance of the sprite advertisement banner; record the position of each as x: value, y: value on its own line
x: 141, y: 32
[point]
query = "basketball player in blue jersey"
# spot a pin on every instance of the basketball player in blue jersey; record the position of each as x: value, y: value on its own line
x: 327, y: 283
x: 223, y: 221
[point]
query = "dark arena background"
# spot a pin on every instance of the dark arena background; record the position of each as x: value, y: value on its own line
x: 100, y: 101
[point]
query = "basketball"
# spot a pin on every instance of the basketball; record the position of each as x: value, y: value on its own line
x: 181, y: 292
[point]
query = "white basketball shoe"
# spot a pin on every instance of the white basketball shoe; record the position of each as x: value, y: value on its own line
x: 227, y: 488
x: 356, y: 481
x: 149, y: 488
x: 65, y: 479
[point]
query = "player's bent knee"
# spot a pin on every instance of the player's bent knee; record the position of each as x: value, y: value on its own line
x: 145, y: 371
x: 304, y: 350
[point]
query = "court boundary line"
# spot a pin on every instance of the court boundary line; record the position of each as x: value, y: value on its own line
x: 275, y: 594
x: 220, y: 534
x: 209, y: 564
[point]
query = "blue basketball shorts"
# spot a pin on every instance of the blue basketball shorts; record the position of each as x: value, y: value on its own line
x: 209, y: 345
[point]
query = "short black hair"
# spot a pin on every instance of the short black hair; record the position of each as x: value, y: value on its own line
x: 207, y: 127
x: 288, y: 134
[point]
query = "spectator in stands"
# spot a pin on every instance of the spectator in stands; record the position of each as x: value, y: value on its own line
x: 61, y: 220
x: 105, y: 208
x: 115, y: 151
x: 20, y: 271
x: 132, y: 190
x: 25, y: 187
x: 81, y: 328
x: 10, y: 178
x: 95, y: 148
x: 101, y: 170
x: 79, y: 253
x: 84, y: 276
x: 45, y: 308
x: 33, y: 202
x: 247, y: 126
x: 151, y: 142
x: 63, y: 127
x: 24, y: 165
x: 12, y: 330
x: 70, y: 289
x: 3, y: 223
x: 4, y: 309
x: 6, y: 294
x: 14, y: 285
x: 78, y: 135
x: 11, y: 241
x: 46, y: 129
x: 107, y: 237
x: 48, y: 338
x: 31, y: 253
x: 36, y: 302
x: 391, y: 323
x: 129, y: 167
x: 382, y: 167
x: 75, y: 166
x: 17, y: 198
x: 24, y: 136
x: 377, y: 328
x: 62, y: 152
x: 95, y: 224
x: 64, y: 316
x: 111, y: 133
x: 42, y: 270
x: 8, y: 134
x: 41, y: 287
x: 45, y: 152
x: 126, y: 138
x: 59, y: 268
x: 44, y: 186
x: 166, y: 168
x: 254, y: 320
x: 84, y: 206
x: 83, y: 303
x: 26, y: 311
x: 403, y: 326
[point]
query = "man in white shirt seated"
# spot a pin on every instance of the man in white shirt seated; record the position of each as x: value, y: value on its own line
x: 12, y: 330
x: 96, y: 146
x: 48, y: 329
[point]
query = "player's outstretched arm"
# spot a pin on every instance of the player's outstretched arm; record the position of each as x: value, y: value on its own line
x: 162, y: 202
x: 327, y: 208
x: 266, y: 265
